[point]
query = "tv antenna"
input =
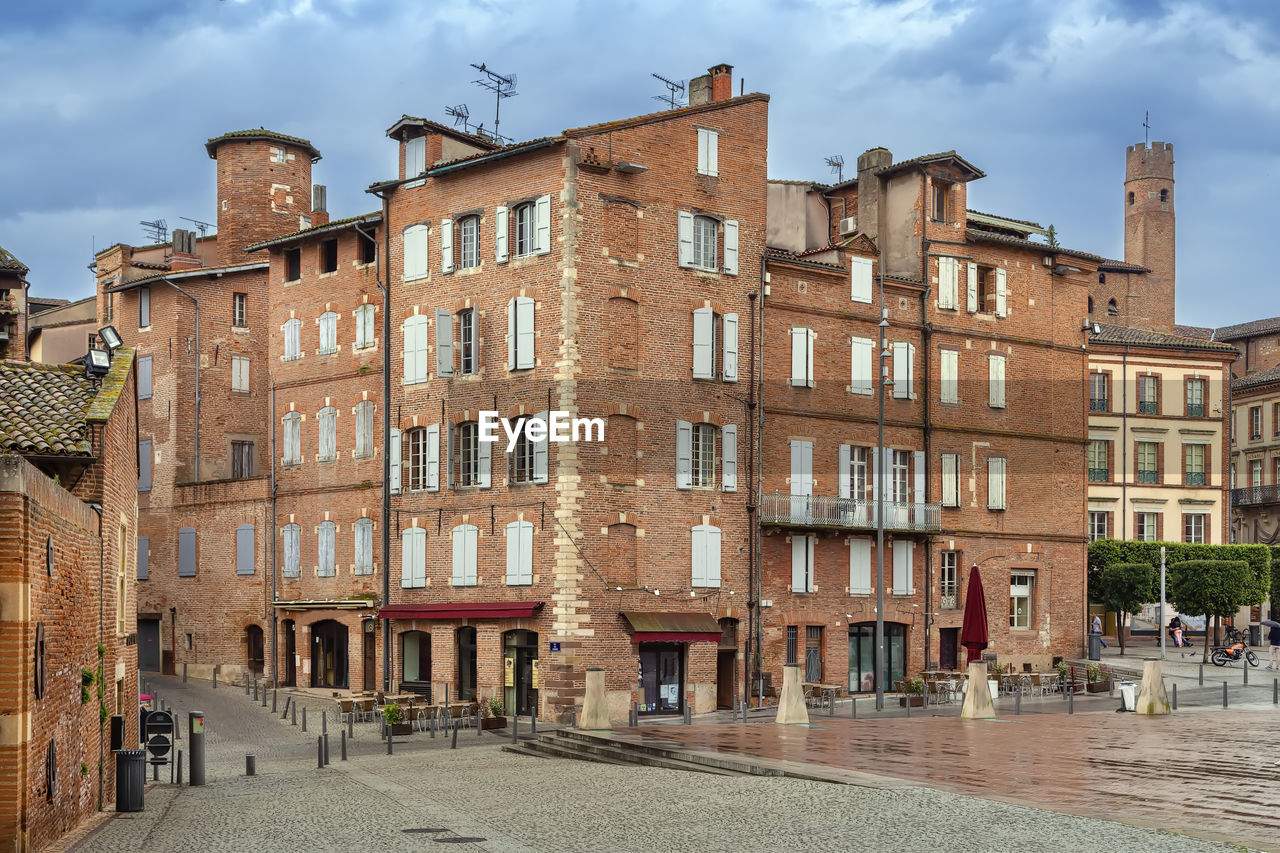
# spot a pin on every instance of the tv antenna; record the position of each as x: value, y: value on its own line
x: 675, y: 92
x: 502, y: 86
x: 202, y: 227
x: 157, y: 230
x: 836, y: 162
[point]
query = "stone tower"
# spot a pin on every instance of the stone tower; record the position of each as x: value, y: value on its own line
x: 1149, y: 235
x: 264, y: 188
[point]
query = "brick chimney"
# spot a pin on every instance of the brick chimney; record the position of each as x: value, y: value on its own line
x: 870, y: 162
x: 715, y: 85
x: 319, y: 205
x: 183, y: 251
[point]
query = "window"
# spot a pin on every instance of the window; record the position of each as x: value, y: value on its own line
x: 951, y: 479
x: 413, y: 558
x: 697, y: 243
x: 1275, y: 418
x: 995, y: 381
x: 708, y: 152
x: 861, y: 373
x: 1195, y: 398
x: 1193, y: 528
x: 1098, y: 387
x: 861, y: 275
x: 292, y: 339
x: 792, y: 637
x: 244, y: 549
x: 1193, y: 465
x: 1164, y: 196
x: 327, y: 424
x: 292, y: 439
x: 729, y: 458
x: 144, y: 307
x: 860, y: 566
x: 1146, y: 526
x: 277, y: 155
x: 996, y: 483
x: 801, y: 476
x: 328, y: 333
x: 469, y: 242
x: 904, y: 357
x: 703, y: 455
x: 519, y: 553
x: 1091, y: 304
x: 987, y: 291
x: 900, y: 473
x: 326, y: 538
x: 363, y: 546
x: 1099, y: 462
x: 467, y: 343
x: 1098, y: 524
x: 903, y: 564
x: 704, y: 343
x: 948, y: 282
x: 145, y: 459
x: 364, y: 326
x: 368, y: 247
x: 802, y: 572
x: 950, y: 380
x: 329, y: 255
x: 1148, y: 395
x: 292, y: 264
x: 1255, y: 473
x: 415, y: 252
x: 524, y: 220
x: 240, y: 310
x: 813, y: 653
x: 292, y: 535
x: 424, y: 458
x: 364, y: 429
x: 1255, y: 422
x: 948, y: 573
x: 1147, y: 456
x: 706, y: 556
x: 1113, y: 310
x: 187, y: 552
x: 802, y: 357
x: 1020, y: 599
x: 939, y: 201
x: 416, y: 352
x: 465, y: 538
x: 144, y: 557
x: 415, y: 158
x: 853, y: 472
x: 705, y: 232
x: 144, y: 377
x: 240, y: 374
x: 111, y: 307
x: 520, y: 334
x: 241, y: 459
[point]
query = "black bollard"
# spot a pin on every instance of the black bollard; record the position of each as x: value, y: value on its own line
x: 1202, y: 675
x: 250, y: 766
x: 351, y: 726
x: 304, y: 718
x: 533, y: 719
x: 831, y: 708
x: 479, y: 727
x: 515, y: 727
x: 344, y: 746
x: 324, y: 722
x: 908, y: 706
x: 319, y: 752
x: 184, y: 673
x: 688, y: 714
x: 389, y: 740
x: 246, y: 689
x: 273, y: 701
x: 179, y: 768
x: 326, y: 748
x: 288, y: 700
x: 433, y: 724
x: 573, y: 717
x: 1246, y: 672
x: 853, y: 706
x: 1275, y: 691
x: 1017, y: 704
x: 1175, y: 695
x: 1224, y: 694
x: 454, y: 743
x: 1071, y: 702
x: 215, y: 678
x: 295, y: 715
x: 264, y: 695
x: 195, y: 743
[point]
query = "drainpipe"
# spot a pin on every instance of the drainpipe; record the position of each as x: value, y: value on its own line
x: 197, y: 388
x: 1124, y: 441
x: 757, y: 391
x: 753, y: 503
x: 926, y: 339
x: 275, y: 649
x: 102, y: 573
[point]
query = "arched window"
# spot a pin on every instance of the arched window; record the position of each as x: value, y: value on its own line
x: 1164, y: 196
x: 468, y: 242
x: 327, y: 423
x: 1091, y: 305
x: 328, y: 333
x: 326, y: 536
x: 705, y: 238
x: 1102, y: 278
x: 292, y: 438
x: 292, y: 339
x: 292, y: 550
x: 1113, y: 310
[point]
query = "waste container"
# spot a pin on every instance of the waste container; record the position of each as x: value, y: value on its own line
x: 1129, y: 695
x: 131, y: 777
x: 1255, y: 635
x: 1095, y: 646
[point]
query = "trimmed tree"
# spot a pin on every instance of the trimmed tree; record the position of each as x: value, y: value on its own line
x: 1215, y: 588
x: 1124, y: 588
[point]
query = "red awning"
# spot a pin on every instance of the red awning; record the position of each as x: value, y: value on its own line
x: 673, y: 627
x: 462, y: 610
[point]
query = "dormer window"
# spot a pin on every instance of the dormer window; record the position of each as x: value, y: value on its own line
x: 415, y: 157
x: 940, y: 191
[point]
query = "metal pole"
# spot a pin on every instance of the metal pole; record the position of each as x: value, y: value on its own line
x: 195, y: 732
x: 250, y: 765
x: 273, y: 701
x: 1202, y: 665
x: 325, y: 738
x: 1224, y: 694
x: 344, y: 746
x: 1161, y: 627
x: 1071, y: 702
x: 215, y: 678
x: 1245, y: 666
x: 479, y: 727
x: 179, y: 767
x: 1275, y: 691
x: 454, y: 743
x: 879, y: 488
x: 295, y: 714
x: 1175, y: 695
x: 515, y: 726
x: 320, y: 752
x: 351, y: 725
x: 184, y: 674
x: 304, y: 718
x: 324, y: 722
x: 389, y: 740
x: 1017, y: 703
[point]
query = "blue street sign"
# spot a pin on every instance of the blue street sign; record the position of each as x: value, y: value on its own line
x: 555, y: 647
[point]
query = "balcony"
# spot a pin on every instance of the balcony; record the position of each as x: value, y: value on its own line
x: 1255, y: 496
x: 1195, y: 410
x: 1099, y: 475
x: 1148, y: 407
x: 848, y: 514
x: 1099, y: 404
x: 1193, y: 478
x: 1145, y: 476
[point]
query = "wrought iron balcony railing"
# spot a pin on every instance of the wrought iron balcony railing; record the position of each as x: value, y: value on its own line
x: 826, y: 511
x: 1255, y: 495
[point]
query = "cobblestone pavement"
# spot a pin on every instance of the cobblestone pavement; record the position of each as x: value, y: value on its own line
x: 515, y: 803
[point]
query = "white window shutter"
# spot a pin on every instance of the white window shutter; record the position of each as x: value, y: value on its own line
x: 415, y: 252
x: 712, y: 559
x: 801, y: 358
x: 684, y: 236
x: 903, y: 557
x: 484, y: 463
x: 996, y: 483
x: 406, y: 556
x: 419, y: 557
x: 472, y: 536
x: 684, y: 455
x: 918, y: 478
x: 450, y: 447
x: 802, y: 468
x: 512, y: 343
x: 948, y: 284
x: 799, y: 563
x: 524, y: 333
x: 911, y: 371
x: 875, y: 475
x: 394, y: 452
x: 422, y: 352
x: 860, y: 566
x: 703, y: 341
x: 729, y: 361
x: 901, y: 371
x: 433, y: 458
x: 500, y: 235
x: 542, y: 225
x: 995, y: 390
x: 731, y: 247
x: 971, y: 289
x: 729, y: 457
x: 526, y: 553
x: 950, y: 479
x: 950, y: 384
x: 444, y: 343
x: 446, y: 245
x: 415, y: 157
x: 541, y: 452
x: 513, y: 553
x: 459, y: 542
x: 842, y: 470
x: 708, y: 152
x: 410, y: 347
x: 860, y: 279
x: 699, y: 555
x: 1002, y: 294
x: 861, y: 375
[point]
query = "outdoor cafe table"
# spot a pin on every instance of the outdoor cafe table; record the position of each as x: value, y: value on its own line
x: 829, y: 692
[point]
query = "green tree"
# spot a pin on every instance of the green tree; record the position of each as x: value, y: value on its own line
x: 1124, y: 588
x: 1215, y: 588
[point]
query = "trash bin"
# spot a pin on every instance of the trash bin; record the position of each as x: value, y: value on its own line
x: 131, y: 777
x: 1095, y: 647
x: 1129, y: 695
x: 1255, y: 635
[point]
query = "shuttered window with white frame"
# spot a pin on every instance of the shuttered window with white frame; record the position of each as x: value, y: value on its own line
x: 730, y: 265
x: 948, y: 282
x: 466, y: 538
x: 500, y: 220
x: 520, y: 333
x: 364, y: 326
x: 446, y: 246
x: 859, y: 565
x: 415, y: 251
x: 416, y: 349
x: 684, y: 455
x: 949, y: 381
x: 444, y: 342
x: 292, y: 330
x: 327, y: 425
x: 244, y: 549
x: 240, y: 373
x: 951, y: 480
x: 995, y: 380
x: 801, y: 468
x: 542, y: 225
x: 704, y: 342
x: 397, y: 464
x: 328, y: 333
x: 862, y: 370
x: 1002, y: 294
x: 292, y: 536
x: 292, y: 433
x: 729, y: 350
x: 729, y: 458
x: 364, y: 428
x: 413, y: 558
x: 861, y: 276
x: 542, y: 452
x: 802, y: 568
x: 706, y: 555
x: 903, y: 564
x: 996, y: 483
x: 971, y: 289
x: 519, y: 553
x: 415, y: 159
x: 904, y: 357
x: 362, y: 546
x: 187, y: 552
x: 144, y: 377
x: 326, y: 549
x: 708, y: 152
x: 802, y: 357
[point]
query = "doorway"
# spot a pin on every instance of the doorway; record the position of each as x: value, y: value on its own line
x: 368, y: 630
x: 519, y: 656
x: 661, y: 678
x: 862, y: 655
x: 949, y: 648
x: 726, y: 663
x: 466, y: 640
x: 328, y: 654
x: 415, y: 662
x: 290, y: 655
x: 254, y: 649
x: 149, y: 645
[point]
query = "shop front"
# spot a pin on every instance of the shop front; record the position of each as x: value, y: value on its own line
x: 662, y: 648
x: 862, y: 655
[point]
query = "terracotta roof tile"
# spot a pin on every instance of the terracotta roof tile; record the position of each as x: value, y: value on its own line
x: 1262, y: 377
x: 262, y: 133
x: 335, y: 225
x: 44, y: 409
x: 9, y: 262
x: 1126, y: 335
x: 1244, y: 330
x: 979, y: 235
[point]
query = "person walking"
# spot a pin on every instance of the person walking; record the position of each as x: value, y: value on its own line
x: 1097, y: 629
x: 1274, y: 639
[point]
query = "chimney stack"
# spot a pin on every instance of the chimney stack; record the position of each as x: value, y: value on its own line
x: 715, y: 85
x: 183, y: 251
x: 319, y: 205
x: 870, y: 162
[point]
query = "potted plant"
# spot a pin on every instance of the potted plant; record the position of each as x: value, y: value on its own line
x: 492, y: 714
x: 994, y: 671
x: 395, y: 720
x: 1097, y: 679
x: 1064, y: 674
x: 913, y: 691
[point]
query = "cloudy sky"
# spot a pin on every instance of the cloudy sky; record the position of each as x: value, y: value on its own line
x: 107, y: 107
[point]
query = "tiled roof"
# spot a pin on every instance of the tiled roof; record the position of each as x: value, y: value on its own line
x: 261, y: 133
x: 471, y: 160
x: 149, y: 265
x: 335, y: 225
x: 437, y: 127
x: 9, y: 262
x: 1126, y: 335
x: 979, y: 235
x: 664, y: 115
x: 1006, y: 218
x: 1204, y: 333
x: 198, y: 271
x: 932, y: 158
x: 43, y: 409
x: 793, y: 257
x: 1244, y: 330
x: 1263, y: 377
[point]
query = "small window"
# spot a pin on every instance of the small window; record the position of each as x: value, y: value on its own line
x: 144, y: 464
x: 368, y: 247
x: 1098, y: 391
x: 524, y: 217
x: 1113, y: 310
x: 277, y: 155
x: 1020, y: 584
x: 708, y: 152
x: 364, y: 429
x: 704, y: 455
x: 187, y: 552
x: 522, y: 460
x: 1090, y: 306
x: 328, y: 333
x: 327, y: 421
x: 329, y: 255
x: 1164, y: 196
x: 468, y: 242
x: 949, y: 585
x: 292, y: 339
x: 240, y: 374
x: 469, y: 454
x: 292, y: 439
x: 326, y: 536
x: 792, y: 635
x: 415, y: 251
x: 144, y: 307
x: 940, y: 190
x: 705, y: 234
x: 292, y: 264
x: 415, y: 158
x: 1102, y: 279
x: 244, y: 549
x: 1193, y: 528
x: 239, y: 310
x: 363, y: 530
x: 1130, y: 198
x: 1146, y: 526
x: 1097, y: 525
x: 467, y: 340
x: 1255, y: 422
x: 292, y: 536
x: 144, y: 377
x: 111, y: 307
x: 241, y: 459
x: 364, y: 326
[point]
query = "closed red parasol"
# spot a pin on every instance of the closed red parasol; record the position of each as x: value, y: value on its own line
x: 974, y: 635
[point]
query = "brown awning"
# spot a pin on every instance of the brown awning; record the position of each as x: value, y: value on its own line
x: 673, y: 627
x: 462, y: 610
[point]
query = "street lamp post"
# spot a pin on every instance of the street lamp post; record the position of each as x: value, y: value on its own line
x: 879, y: 490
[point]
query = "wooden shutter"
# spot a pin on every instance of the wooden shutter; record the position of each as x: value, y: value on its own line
x: 708, y: 152
x: 731, y: 247
x: 244, y: 549
x: 450, y: 448
x: 1002, y: 294
x: 484, y: 463
x: 918, y: 476
x: 519, y: 553
x: 187, y: 552
x: 729, y: 359
x: 542, y: 451
x: 949, y: 360
x: 971, y: 290
x: 432, y: 452
x: 393, y: 450
x: 410, y: 350
x: 843, y: 465
x: 143, y: 554
x: 703, y: 341
x: 951, y: 479
x: 465, y: 540
x: 729, y: 457
x: 948, y: 282
x: 861, y: 375
x: 802, y: 358
x: 144, y: 378
x: 292, y: 558
x: 446, y: 245
x: 684, y: 455
x: 995, y: 483
x: 684, y: 239
x: 802, y: 468
x: 860, y: 565
x: 415, y: 158
x: 145, y: 458
x: 901, y: 371
x: 903, y: 558
x: 523, y: 334
x: 699, y: 555
x: 500, y: 235
x: 444, y: 343
x: 542, y: 225
x: 415, y: 252
x: 413, y: 557
x: 802, y: 564
x: 861, y: 279
x: 512, y: 343
x: 995, y: 390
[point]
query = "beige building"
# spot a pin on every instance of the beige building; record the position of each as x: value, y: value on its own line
x: 1255, y: 458
x: 1156, y: 457
x: 62, y: 333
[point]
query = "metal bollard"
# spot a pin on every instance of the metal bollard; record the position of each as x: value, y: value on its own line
x: 326, y: 748
x: 288, y: 700
x: 351, y: 725
x: 389, y: 740
x: 432, y: 724
x: 515, y: 726
x: 324, y: 722
x: 1246, y: 672
x: 479, y: 727
x: 250, y: 766
x: 215, y: 679
x: 533, y: 719
x: 1071, y: 702
x: 295, y: 714
x: 688, y: 714
x: 155, y: 772
x: 1111, y: 688
x: 908, y: 706
x: 1275, y: 691
x: 195, y: 743
x: 184, y: 673
x: 264, y: 695
x: 1175, y: 695
x: 1224, y: 694
x: 1017, y: 703
x: 573, y: 718
x: 319, y: 752
x: 454, y: 743
x: 246, y: 689
x: 853, y: 707
x: 179, y: 768
x: 1202, y: 675
x: 273, y: 700
x: 344, y: 746
x: 304, y: 718
x: 831, y: 706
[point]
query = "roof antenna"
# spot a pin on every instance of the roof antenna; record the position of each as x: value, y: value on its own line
x: 502, y: 86
x: 1146, y: 123
x: 202, y: 227
x: 157, y: 230
x: 836, y: 162
x: 675, y: 92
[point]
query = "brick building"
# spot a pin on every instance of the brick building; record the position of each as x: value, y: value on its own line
x: 13, y: 307
x: 1255, y: 457
x: 68, y: 526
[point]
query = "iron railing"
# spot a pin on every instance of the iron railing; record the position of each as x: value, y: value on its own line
x: 1099, y: 475
x: 826, y: 511
x: 1194, y: 478
x: 1099, y: 404
x: 1255, y: 495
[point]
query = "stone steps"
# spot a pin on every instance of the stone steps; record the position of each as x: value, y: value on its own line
x: 578, y: 745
